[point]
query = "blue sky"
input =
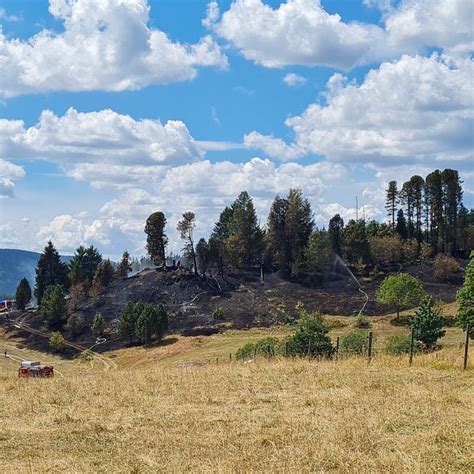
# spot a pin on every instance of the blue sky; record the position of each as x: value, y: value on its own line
x: 150, y: 107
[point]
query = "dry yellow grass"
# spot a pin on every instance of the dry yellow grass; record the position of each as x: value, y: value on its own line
x: 282, y: 415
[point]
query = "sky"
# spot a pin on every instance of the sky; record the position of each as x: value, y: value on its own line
x: 113, y: 109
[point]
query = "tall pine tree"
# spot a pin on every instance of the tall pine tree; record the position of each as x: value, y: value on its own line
x: 391, y: 201
x: 157, y: 240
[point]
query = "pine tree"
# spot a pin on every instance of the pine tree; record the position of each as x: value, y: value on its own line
x: 452, y: 199
x: 245, y: 242
x: 218, y: 238
x: 23, y: 294
x: 336, y: 228
x: 185, y: 228
x: 103, y: 276
x: 156, y: 237
x: 124, y: 267
x: 465, y: 298
x: 391, y: 201
x: 98, y: 324
x: 434, y: 192
x: 401, y: 226
x: 277, y: 244
x: 427, y: 323
x: 53, y: 307
x: 84, y: 264
x: 203, y: 255
x: 50, y: 271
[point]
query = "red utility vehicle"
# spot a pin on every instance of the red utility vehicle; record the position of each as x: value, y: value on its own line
x: 31, y: 368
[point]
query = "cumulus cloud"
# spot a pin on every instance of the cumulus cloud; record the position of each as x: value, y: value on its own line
x: 105, y: 45
x: 273, y: 147
x: 8, y: 174
x: 294, y: 80
x: 417, y: 110
x: 301, y: 32
x: 327, y: 211
x: 298, y: 32
x: 104, y: 136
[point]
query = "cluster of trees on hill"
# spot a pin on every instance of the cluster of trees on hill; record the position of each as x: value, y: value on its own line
x: 431, y: 220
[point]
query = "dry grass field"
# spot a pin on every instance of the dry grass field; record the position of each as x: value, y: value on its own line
x: 173, y: 408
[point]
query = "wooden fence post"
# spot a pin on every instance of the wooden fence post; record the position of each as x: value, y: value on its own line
x: 466, y: 345
x: 369, y: 348
x: 230, y: 357
x: 412, y: 340
x: 337, y: 345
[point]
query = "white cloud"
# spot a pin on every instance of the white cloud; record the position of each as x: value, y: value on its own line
x: 415, y: 110
x: 327, y: 211
x: 419, y: 23
x: 105, y: 45
x: 212, y: 14
x: 104, y: 137
x: 294, y: 80
x: 273, y: 147
x: 298, y: 32
x: 8, y: 174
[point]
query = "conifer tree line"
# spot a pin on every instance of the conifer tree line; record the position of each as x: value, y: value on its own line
x: 426, y: 217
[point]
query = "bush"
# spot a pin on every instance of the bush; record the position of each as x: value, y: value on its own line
x: 268, y: 347
x: 75, y: 324
x: 246, y: 351
x: 465, y: 299
x: 427, y: 323
x: 218, y: 313
x: 355, y: 342
x: 399, y: 344
x: 362, y: 322
x: 446, y: 268
x: 56, y: 341
x: 98, y: 324
x: 87, y: 355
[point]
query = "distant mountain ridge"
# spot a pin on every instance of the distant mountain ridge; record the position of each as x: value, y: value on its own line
x: 16, y: 264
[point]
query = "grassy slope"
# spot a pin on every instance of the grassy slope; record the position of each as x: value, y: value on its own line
x: 154, y: 413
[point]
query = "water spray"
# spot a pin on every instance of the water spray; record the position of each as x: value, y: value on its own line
x: 340, y: 260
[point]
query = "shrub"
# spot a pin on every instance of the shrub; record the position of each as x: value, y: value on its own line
x: 56, y: 341
x: 218, y: 313
x: 355, y: 342
x: 427, y: 323
x: 362, y: 322
x: 87, y: 355
x: 399, y: 344
x: 386, y: 250
x: 445, y: 268
x: 268, y: 347
x: 75, y: 324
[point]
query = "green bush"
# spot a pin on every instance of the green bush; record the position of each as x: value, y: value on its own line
x: 399, y: 344
x: 56, y: 341
x: 75, y: 324
x: 246, y: 351
x: 267, y: 347
x: 362, y: 322
x: 355, y: 342
x: 218, y: 313
x: 427, y: 323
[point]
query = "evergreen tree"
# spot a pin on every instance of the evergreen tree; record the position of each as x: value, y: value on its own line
x: 127, y: 321
x: 23, y: 294
x: 98, y: 324
x: 50, y: 271
x: 391, y: 201
x: 318, y: 252
x: 220, y: 234
x: 124, y: 267
x: 336, y: 228
x: 245, y: 242
x: 103, y: 276
x: 417, y: 186
x: 465, y: 298
x: 427, y: 323
x: 278, y: 246
x: 84, y: 264
x: 356, y: 243
x: 452, y: 200
x: 157, y: 240
x: 401, y: 227
x: 53, y: 307
x: 434, y: 196
x: 185, y: 228
x: 203, y: 255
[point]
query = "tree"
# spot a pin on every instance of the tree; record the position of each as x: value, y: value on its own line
x: 245, y: 242
x: 311, y: 336
x: 53, y: 307
x: 152, y: 321
x: 391, y: 201
x: 401, y: 227
x: 103, y: 276
x: 98, y: 324
x: 84, y: 264
x: 465, y: 298
x: 56, y: 341
x: 75, y: 324
x: 318, y: 253
x: 336, y: 228
x: 356, y: 244
x: 203, y: 255
x: 157, y: 240
x: 185, y: 228
x: 434, y: 197
x: 124, y: 267
x: 50, y: 271
x: 127, y: 321
x: 23, y: 294
x: 402, y: 291
x: 386, y: 251
x: 427, y: 323
x: 452, y: 200
x: 218, y: 238
x: 276, y: 239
